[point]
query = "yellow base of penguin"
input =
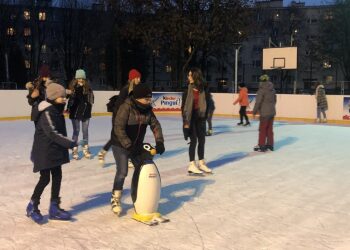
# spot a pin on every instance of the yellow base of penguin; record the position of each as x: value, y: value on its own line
x: 150, y: 219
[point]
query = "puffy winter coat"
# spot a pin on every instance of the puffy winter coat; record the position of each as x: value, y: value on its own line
x: 321, y: 98
x: 80, y: 104
x: 242, y: 97
x: 50, y: 146
x: 265, y: 101
x: 130, y: 125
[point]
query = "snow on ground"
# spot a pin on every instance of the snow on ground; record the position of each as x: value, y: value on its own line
x: 294, y: 198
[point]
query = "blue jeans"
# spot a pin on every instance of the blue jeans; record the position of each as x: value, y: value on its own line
x: 319, y: 110
x: 76, y: 130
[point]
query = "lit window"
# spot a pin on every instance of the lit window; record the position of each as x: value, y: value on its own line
x: 326, y: 64
x: 26, y: 15
x: 27, y: 63
x: 27, y: 32
x: 28, y: 47
x: 10, y: 31
x: 43, y: 48
x: 168, y: 68
x: 328, y: 15
x: 42, y: 16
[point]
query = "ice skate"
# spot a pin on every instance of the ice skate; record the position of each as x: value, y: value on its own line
x: 246, y: 124
x: 203, y: 167
x: 115, y: 202
x: 101, y: 156
x: 193, y: 169
x: 318, y: 120
x: 75, y: 154
x: 258, y: 148
x: 269, y: 148
x: 209, y: 132
x: 130, y: 164
x: 57, y: 213
x: 86, y: 151
x: 240, y: 123
x: 33, y: 212
x: 324, y: 120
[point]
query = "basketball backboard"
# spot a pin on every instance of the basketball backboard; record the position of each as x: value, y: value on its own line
x: 280, y: 58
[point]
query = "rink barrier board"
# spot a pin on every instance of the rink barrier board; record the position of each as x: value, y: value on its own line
x: 286, y: 119
x: 302, y: 108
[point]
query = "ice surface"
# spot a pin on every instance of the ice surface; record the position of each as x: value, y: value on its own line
x: 294, y: 198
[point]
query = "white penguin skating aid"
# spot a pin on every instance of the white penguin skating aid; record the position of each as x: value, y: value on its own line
x: 146, y: 189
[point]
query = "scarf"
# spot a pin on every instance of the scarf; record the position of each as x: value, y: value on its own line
x: 188, y: 108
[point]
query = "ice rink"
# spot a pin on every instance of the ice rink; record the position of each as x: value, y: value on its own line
x: 297, y: 197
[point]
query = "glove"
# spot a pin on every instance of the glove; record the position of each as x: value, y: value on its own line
x: 186, y: 133
x: 160, y: 147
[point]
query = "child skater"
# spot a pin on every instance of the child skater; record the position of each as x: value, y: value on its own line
x: 129, y: 129
x: 243, y: 102
x: 50, y: 152
x: 79, y: 106
x: 210, y: 112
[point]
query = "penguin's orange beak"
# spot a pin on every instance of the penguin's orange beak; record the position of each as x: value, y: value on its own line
x: 153, y: 151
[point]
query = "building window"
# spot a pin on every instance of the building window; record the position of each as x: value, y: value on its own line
x: 26, y: 15
x: 311, y: 20
x: 276, y: 17
x: 328, y: 78
x: 328, y: 15
x: 43, y: 48
x: 42, y: 16
x: 27, y: 64
x: 168, y: 68
x: 28, y: 47
x: 27, y: 32
x: 11, y: 31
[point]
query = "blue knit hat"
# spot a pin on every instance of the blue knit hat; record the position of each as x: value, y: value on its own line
x: 80, y: 74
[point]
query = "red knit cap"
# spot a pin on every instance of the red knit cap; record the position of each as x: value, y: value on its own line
x: 44, y: 71
x: 134, y: 74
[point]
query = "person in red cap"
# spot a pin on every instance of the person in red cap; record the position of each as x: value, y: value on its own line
x: 133, y: 80
x: 37, y: 90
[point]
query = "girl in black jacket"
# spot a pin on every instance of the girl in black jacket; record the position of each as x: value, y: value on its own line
x: 194, y: 112
x: 79, y: 107
x: 50, y: 152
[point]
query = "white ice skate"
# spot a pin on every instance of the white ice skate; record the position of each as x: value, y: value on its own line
x: 115, y: 202
x: 101, y: 156
x: 203, y: 167
x: 75, y: 154
x: 86, y: 151
x: 193, y: 169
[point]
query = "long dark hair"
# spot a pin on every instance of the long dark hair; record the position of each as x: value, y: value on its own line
x: 197, y: 78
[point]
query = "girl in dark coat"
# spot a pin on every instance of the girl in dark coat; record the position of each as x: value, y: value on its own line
x: 194, y: 113
x: 79, y: 107
x: 50, y: 152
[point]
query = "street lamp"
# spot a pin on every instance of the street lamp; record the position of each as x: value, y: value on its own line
x: 237, y: 46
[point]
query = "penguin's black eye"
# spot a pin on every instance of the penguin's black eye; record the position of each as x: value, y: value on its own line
x: 147, y: 147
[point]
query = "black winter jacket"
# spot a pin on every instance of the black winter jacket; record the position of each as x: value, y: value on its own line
x: 80, y: 104
x: 34, y: 102
x: 130, y: 125
x: 50, y: 146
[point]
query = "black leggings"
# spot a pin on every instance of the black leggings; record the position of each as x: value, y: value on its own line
x: 243, y: 113
x: 108, y: 145
x: 44, y: 180
x: 197, y: 130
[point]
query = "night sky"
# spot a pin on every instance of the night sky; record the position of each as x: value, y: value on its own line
x: 308, y: 2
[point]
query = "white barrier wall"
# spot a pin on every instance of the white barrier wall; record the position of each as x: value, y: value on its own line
x: 13, y: 103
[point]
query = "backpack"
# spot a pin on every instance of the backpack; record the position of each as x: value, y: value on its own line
x: 111, y: 103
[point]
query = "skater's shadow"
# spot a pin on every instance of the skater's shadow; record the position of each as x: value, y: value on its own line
x: 173, y: 196
x: 227, y: 158
x: 285, y: 142
x: 98, y: 200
